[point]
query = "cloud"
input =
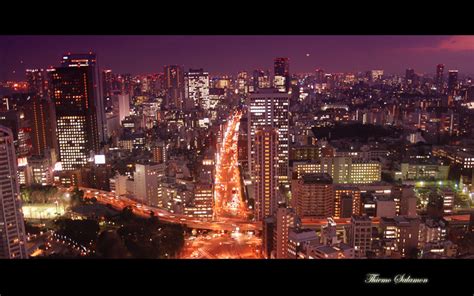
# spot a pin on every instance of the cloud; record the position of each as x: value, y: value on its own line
x: 450, y: 44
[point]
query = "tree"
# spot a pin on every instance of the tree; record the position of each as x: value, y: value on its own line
x: 110, y: 245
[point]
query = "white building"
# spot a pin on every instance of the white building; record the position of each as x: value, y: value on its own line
x: 197, y: 88
x: 147, y: 183
x: 12, y: 228
x: 269, y: 107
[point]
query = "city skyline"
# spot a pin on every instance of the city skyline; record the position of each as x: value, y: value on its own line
x: 265, y: 164
x: 231, y: 54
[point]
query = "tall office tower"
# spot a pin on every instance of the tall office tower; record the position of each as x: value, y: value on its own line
x: 41, y: 114
x: 266, y: 172
x: 197, y: 88
x: 347, y: 201
x: 108, y: 87
x: 123, y: 106
x: 12, y: 225
x: 242, y: 82
x: 285, y: 219
x: 439, y: 77
x: 313, y: 196
x: 260, y: 79
x: 174, y: 85
x: 148, y: 183
x: 107, y: 82
x: 79, y: 110
x: 90, y: 61
x: 360, y: 235
x: 38, y: 82
x: 409, y: 76
x: 282, y: 74
x: 268, y: 107
x: 452, y: 82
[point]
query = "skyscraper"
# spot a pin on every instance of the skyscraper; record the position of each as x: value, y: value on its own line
x: 266, y: 172
x: 40, y: 112
x: 268, y: 107
x: 452, y: 82
x: 174, y: 85
x: 12, y: 228
x: 285, y: 219
x: 439, y: 77
x: 197, y: 88
x: 90, y: 60
x: 38, y: 82
x: 282, y: 74
x: 79, y: 110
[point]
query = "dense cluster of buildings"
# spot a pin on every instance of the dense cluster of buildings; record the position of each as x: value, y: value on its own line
x: 331, y: 162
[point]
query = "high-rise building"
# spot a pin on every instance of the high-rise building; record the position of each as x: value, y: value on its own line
x: 439, y: 80
x: 410, y: 76
x: 12, y: 225
x: 452, y: 82
x: 123, y: 106
x: 282, y: 74
x: 313, y: 196
x: 285, y: 219
x: 90, y: 61
x: 174, y: 85
x: 360, y: 235
x: 38, y: 82
x: 41, y: 114
x: 266, y: 172
x: 197, y: 88
x: 79, y: 110
x: 268, y: 107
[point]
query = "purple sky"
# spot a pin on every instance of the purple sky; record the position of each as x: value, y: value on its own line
x: 230, y: 54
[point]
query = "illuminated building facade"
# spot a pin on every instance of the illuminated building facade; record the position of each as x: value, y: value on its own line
x: 41, y: 113
x: 282, y: 74
x: 266, y: 172
x: 38, y: 82
x: 260, y: 79
x: 343, y: 170
x: 360, y: 235
x: 197, y: 88
x: 12, y: 225
x: 202, y: 203
x: 268, y: 107
x: 79, y: 110
x: 346, y: 201
x: 148, y: 183
x: 174, y: 85
x: 285, y: 220
x: 313, y: 196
